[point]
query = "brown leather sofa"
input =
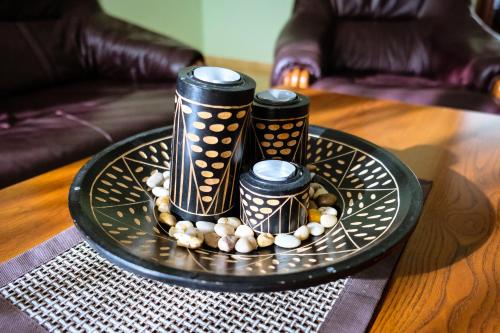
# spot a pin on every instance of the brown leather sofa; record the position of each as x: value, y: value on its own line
x: 419, y: 51
x: 74, y: 80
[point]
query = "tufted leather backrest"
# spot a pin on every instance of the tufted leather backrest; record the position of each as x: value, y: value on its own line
x: 40, y: 42
x: 394, y: 36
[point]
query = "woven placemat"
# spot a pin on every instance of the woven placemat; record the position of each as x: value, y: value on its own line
x: 63, y: 285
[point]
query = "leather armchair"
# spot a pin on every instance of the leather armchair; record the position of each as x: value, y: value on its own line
x: 74, y: 79
x: 427, y: 51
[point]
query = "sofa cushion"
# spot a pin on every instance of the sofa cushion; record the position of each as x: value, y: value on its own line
x: 410, y: 90
x: 59, y: 125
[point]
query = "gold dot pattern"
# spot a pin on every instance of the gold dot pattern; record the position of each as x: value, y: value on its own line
x: 217, y: 165
x: 212, y: 153
x: 193, y: 137
x: 201, y: 163
x: 204, y: 115
x: 212, y: 181
x: 233, y: 127
x: 226, y: 141
x: 224, y: 115
x: 199, y: 125
x: 196, y: 149
x: 211, y: 140
x: 216, y: 127
x: 267, y: 212
x: 281, y: 134
x: 226, y: 154
x: 205, y: 188
x: 207, y: 173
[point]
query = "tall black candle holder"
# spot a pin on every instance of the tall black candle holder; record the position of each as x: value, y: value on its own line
x: 213, y: 105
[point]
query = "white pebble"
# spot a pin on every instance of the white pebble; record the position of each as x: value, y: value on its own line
x: 286, y: 241
x: 205, y: 227
x: 227, y: 243
x: 163, y: 201
x: 176, y: 232
x: 166, y: 184
x: 223, y: 230
x: 156, y: 179
x: 243, y: 231
x: 232, y: 221
x: 167, y: 218
x: 328, y: 220
x: 212, y: 239
x: 265, y: 239
x: 166, y: 174
x: 191, y: 240
x: 328, y: 210
x: 316, y: 229
x: 184, y: 225
x: 160, y: 192
x: 164, y: 208
x: 302, y: 233
x: 245, y: 245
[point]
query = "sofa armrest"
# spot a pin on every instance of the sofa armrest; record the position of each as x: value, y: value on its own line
x: 115, y: 49
x: 478, y: 50
x: 302, y: 41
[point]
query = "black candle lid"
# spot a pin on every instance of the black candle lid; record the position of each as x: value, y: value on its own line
x: 279, y: 104
x: 215, y: 86
x: 275, y: 177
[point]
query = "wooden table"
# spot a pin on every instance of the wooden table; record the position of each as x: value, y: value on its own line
x: 448, y: 278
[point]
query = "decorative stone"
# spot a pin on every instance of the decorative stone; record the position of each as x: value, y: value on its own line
x: 328, y: 220
x: 315, y: 186
x: 244, y: 231
x: 234, y: 222
x: 223, y: 230
x: 319, y: 192
x: 184, y: 225
x: 314, y: 215
x: 312, y: 205
x: 156, y: 179
x: 165, y: 200
x: 205, y: 227
x: 167, y: 219
x: 166, y: 175
x: 286, y: 241
x: 265, y: 239
x: 166, y: 184
x: 302, y: 233
x: 191, y: 239
x: 316, y: 229
x: 164, y: 208
x: 227, y: 243
x: 328, y: 210
x: 245, y: 245
x: 212, y: 239
x: 159, y: 192
x: 326, y: 199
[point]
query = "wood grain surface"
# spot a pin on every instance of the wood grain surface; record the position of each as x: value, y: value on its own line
x: 448, y: 278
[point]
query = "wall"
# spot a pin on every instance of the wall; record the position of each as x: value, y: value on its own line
x: 239, y: 29
x: 179, y: 19
x: 243, y: 29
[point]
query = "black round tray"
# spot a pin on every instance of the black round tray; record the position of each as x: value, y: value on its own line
x: 379, y: 197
